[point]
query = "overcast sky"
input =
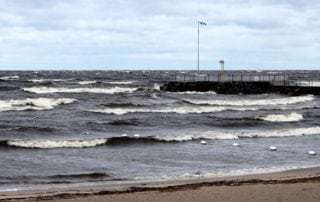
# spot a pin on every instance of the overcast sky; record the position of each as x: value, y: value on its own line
x: 144, y: 34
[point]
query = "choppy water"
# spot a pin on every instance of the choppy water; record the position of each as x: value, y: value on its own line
x: 79, y: 127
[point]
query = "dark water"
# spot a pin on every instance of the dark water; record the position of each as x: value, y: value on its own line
x: 111, y: 127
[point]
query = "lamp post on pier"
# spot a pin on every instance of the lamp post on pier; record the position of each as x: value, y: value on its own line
x: 200, y: 23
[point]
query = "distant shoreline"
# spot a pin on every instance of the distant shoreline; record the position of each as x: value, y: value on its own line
x: 287, y: 182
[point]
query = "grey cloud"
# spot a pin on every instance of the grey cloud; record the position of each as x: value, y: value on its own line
x: 136, y: 28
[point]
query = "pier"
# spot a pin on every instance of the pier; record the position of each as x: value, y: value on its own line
x: 244, y: 83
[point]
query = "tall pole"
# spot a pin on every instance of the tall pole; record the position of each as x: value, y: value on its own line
x: 198, y: 59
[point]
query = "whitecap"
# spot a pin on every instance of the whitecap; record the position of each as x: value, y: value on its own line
x: 45, y: 90
x: 33, y: 104
x: 120, y: 82
x: 8, y: 78
x: 156, y: 87
x: 86, y: 82
x: 194, y: 93
x: 285, y: 132
x: 50, y: 144
x: 46, y: 80
x: 178, y: 110
x: 292, y: 117
x: 260, y: 102
x: 236, y: 134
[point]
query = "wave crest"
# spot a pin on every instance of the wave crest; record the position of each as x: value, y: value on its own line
x: 178, y: 110
x: 260, y: 102
x: 292, y: 117
x: 33, y: 104
x: 238, y: 134
x: 46, y: 90
x: 9, y: 78
x: 194, y: 93
x: 120, y: 140
x: 86, y: 82
x: 50, y: 144
x: 120, y: 82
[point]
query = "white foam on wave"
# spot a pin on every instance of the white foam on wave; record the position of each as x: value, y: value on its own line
x: 86, y: 82
x: 156, y: 86
x: 207, y: 135
x: 260, y: 102
x: 113, y: 90
x: 51, y: 144
x: 292, y: 117
x: 33, y: 104
x: 45, y: 80
x: 178, y: 110
x: 8, y: 78
x: 195, y: 93
x: 236, y: 134
x: 120, y: 82
x: 37, y: 80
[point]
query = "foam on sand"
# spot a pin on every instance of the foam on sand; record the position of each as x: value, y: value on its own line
x: 33, y: 104
x: 292, y: 117
x: 259, y: 102
x: 46, y: 90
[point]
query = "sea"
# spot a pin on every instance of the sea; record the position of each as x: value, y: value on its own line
x: 71, y: 128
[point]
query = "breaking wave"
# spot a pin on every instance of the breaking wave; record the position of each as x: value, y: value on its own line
x: 275, y: 101
x: 33, y: 104
x: 9, y: 78
x: 194, y: 93
x: 292, y: 117
x: 50, y: 144
x: 178, y: 110
x: 120, y: 82
x: 124, y: 139
x: 45, y: 90
x: 237, y: 134
x: 47, y: 80
x: 86, y: 82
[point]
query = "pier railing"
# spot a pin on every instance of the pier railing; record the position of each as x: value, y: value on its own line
x: 278, y: 79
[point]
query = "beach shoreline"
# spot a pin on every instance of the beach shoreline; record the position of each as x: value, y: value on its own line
x: 279, y: 185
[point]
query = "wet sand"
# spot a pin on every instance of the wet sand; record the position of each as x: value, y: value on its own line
x: 294, y: 186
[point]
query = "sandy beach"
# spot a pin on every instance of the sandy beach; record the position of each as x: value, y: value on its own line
x: 295, y: 185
